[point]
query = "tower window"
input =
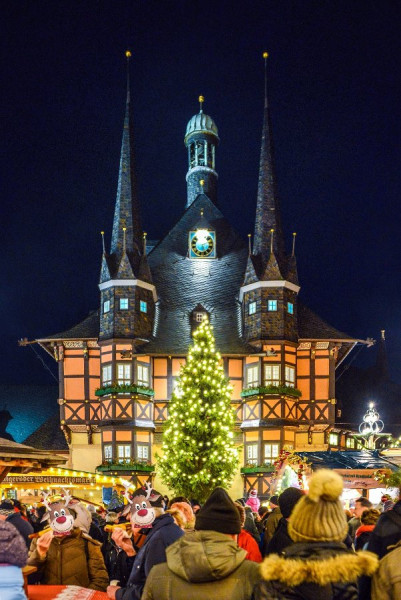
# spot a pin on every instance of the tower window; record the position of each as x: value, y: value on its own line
x: 108, y: 452
x: 124, y: 453
x: 272, y: 305
x: 290, y: 308
x: 289, y: 376
x: 123, y: 303
x: 272, y: 374
x: 106, y: 306
x: 123, y: 373
x: 106, y: 375
x: 143, y: 306
x: 252, y: 308
x: 251, y: 454
x: 252, y: 376
x: 143, y: 375
x: 270, y: 453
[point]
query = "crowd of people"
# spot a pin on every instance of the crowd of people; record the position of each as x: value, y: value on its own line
x: 302, y: 546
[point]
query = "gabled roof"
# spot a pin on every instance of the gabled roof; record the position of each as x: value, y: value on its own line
x: 48, y: 436
x: 182, y: 283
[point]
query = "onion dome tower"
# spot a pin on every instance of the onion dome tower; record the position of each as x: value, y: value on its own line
x: 201, y: 139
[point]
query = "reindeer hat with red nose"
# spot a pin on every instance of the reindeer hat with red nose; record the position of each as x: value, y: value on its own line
x: 60, y: 518
x: 141, y: 505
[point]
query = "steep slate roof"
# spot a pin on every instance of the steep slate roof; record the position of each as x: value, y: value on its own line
x: 312, y: 327
x: 86, y: 329
x: 181, y: 283
x: 48, y: 436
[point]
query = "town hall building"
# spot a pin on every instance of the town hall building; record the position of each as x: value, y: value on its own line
x: 118, y: 367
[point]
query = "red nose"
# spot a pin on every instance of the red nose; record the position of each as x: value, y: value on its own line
x: 61, y: 520
x: 143, y: 512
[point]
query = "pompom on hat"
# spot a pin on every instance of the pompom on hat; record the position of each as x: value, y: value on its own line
x: 319, y: 516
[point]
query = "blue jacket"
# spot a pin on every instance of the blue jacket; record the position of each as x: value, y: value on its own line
x: 163, y: 533
x: 11, y: 583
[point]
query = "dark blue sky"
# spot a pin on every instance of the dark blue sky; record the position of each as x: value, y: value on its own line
x: 334, y: 88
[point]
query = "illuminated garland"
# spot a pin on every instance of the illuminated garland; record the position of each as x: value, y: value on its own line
x: 297, y: 464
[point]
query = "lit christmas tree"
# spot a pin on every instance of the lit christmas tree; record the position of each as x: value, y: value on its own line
x: 198, y: 439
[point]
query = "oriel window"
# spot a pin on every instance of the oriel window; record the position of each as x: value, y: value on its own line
x: 271, y: 452
x: 123, y: 373
x: 272, y: 375
x: 143, y: 375
x: 289, y: 376
x: 251, y: 454
x: 252, y: 376
x: 124, y: 453
x: 106, y: 375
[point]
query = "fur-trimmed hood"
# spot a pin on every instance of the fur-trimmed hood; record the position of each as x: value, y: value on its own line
x: 320, y: 564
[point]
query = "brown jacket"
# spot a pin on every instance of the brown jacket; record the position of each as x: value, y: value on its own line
x: 386, y: 582
x: 272, y: 522
x: 74, y: 559
x: 203, y: 565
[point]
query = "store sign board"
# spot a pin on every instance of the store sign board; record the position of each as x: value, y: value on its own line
x: 361, y: 482
x: 55, y: 479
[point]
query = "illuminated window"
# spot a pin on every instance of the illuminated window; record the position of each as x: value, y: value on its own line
x: 350, y: 443
x: 123, y: 373
x: 272, y: 374
x: 199, y: 316
x: 251, y: 456
x: 272, y: 305
x: 142, y: 451
x: 143, y: 306
x: 333, y: 439
x: 108, y: 452
x: 252, y: 308
x: 143, y: 375
x: 106, y: 306
x: 123, y: 303
x: 289, y: 376
x: 252, y: 376
x: 290, y: 308
x: 106, y: 375
x: 271, y: 452
x: 124, y: 453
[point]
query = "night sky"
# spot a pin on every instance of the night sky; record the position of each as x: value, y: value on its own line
x: 334, y: 87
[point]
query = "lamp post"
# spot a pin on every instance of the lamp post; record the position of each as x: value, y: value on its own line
x: 371, y: 426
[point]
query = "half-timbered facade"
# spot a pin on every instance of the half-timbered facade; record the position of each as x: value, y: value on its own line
x: 117, y: 368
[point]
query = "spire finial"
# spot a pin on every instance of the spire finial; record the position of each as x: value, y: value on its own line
x: 144, y: 243
x: 294, y: 235
x: 383, y: 334
x: 124, y: 234
x: 201, y: 212
x: 271, y: 240
x: 201, y: 101
x: 249, y: 243
x: 104, y: 249
x: 202, y: 184
x: 265, y: 57
x: 128, y: 55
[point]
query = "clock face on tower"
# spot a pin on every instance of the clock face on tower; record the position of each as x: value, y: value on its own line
x: 202, y: 244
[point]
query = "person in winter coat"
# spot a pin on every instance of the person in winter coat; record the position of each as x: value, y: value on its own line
x: 361, y: 504
x: 281, y: 539
x: 13, y: 556
x: 245, y: 540
x: 253, y: 500
x: 317, y: 566
x: 272, y: 520
x: 369, y: 519
x: 7, y: 513
x: 386, y: 582
x: 206, y: 564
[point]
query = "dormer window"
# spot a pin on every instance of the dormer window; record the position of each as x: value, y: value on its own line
x: 199, y: 316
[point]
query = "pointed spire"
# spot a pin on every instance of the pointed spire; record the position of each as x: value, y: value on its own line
x: 382, y: 371
x: 127, y: 206
x: 103, y: 246
x: 267, y: 206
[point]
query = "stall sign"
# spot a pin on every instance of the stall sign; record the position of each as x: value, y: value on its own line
x: 55, y: 479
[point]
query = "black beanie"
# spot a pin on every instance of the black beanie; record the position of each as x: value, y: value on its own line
x: 219, y: 513
x: 288, y: 499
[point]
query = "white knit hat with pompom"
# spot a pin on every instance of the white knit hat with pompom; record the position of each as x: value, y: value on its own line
x: 319, y: 516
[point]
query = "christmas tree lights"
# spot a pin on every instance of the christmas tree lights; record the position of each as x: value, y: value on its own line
x: 198, y: 440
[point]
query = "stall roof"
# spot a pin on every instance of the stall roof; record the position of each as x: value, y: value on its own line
x: 348, y: 459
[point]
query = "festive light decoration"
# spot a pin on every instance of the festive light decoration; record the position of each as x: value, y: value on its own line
x: 371, y: 422
x: 198, y: 446
x: 282, y: 478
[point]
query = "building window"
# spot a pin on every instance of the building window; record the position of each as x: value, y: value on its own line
x: 252, y: 376
x: 252, y: 308
x: 143, y: 306
x: 123, y: 303
x: 123, y: 373
x: 143, y: 375
x: 251, y: 457
x: 106, y: 306
x: 108, y: 452
x: 199, y: 317
x: 350, y: 443
x: 289, y: 376
x: 272, y: 375
x: 272, y: 305
x: 333, y: 439
x: 271, y: 452
x: 124, y: 453
x: 290, y: 308
x: 142, y: 452
x: 106, y: 375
